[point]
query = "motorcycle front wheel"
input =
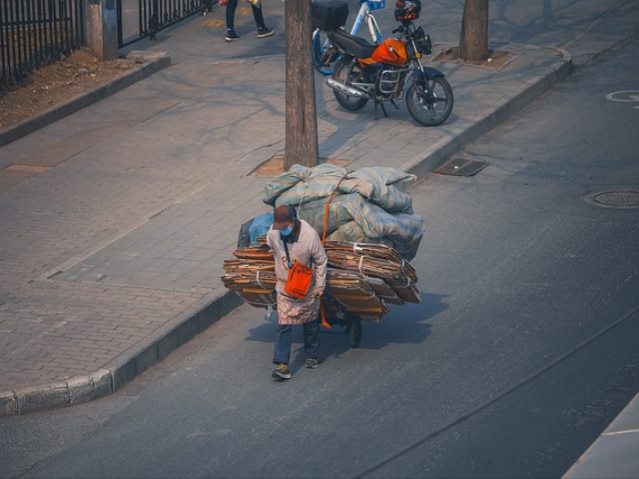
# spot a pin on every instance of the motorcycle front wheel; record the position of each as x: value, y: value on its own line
x: 430, y: 104
x: 346, y: 71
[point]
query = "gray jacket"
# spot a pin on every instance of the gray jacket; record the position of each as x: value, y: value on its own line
x: 307, y: 250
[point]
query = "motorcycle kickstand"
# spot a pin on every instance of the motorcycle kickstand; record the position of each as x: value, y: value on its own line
x: 380, y: 103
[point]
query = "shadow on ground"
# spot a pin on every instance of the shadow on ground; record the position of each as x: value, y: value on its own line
x: 406, y: 324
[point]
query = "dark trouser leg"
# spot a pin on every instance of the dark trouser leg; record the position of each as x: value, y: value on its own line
x: 257, y: 14
x: 283, y: 337
x: 230, y: 14
x: 311, y: 339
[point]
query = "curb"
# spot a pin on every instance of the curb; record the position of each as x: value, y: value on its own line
x: 182, y: 328
x: 135, y: 361
x: 599, y: 459
x: 153, y: 62
x: 420, y: 166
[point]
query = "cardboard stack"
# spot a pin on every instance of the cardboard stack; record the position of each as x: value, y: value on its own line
x: 252, y: 276
x: 362, y: 278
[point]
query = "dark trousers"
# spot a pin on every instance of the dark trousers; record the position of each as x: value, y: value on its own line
x: 230, y: 15
x: 283, y: 338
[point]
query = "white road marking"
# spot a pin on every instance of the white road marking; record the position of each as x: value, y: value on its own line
x: 616, y: 433
x: 624, y: 96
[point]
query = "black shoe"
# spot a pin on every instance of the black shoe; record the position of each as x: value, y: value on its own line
x: 311, y: 363
x: 265, y: 32
x: 231, y: 35
x: 281, y: 371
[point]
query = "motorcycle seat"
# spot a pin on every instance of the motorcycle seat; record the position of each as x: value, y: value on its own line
x: 357, y: 46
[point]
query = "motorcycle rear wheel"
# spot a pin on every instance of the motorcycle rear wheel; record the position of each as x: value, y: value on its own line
x: 430, y: 106
x: 322, y: 58
x: 346, y: 71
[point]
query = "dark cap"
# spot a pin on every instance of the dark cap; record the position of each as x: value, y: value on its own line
x: 282, y: 216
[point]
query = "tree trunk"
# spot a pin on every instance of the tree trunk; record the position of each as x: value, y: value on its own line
x: 301, y: 121
x: 473, y: 41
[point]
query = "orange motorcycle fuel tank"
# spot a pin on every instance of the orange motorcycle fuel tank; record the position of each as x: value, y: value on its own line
x: 390, y: 52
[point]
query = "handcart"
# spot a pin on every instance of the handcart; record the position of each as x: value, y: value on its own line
x: 352, y: 325
x: 363, y: 278
x: 362, y: 281
x: 350, y: 317
x: 333, y: 314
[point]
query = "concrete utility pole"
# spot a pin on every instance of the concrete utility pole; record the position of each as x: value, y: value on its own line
x: 301, y: 120
x: 473, y: 40
x: 101, y: 28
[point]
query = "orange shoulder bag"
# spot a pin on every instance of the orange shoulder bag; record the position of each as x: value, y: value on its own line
x: 298, y: 282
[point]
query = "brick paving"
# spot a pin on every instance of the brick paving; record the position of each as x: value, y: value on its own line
x: 145, y: 191
x: 53, y: 330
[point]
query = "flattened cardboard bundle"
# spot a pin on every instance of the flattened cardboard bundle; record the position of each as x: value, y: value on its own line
x: 252, y: 276
x: 362, y: 278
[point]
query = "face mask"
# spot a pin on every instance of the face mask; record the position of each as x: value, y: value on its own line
x: 286, y: 231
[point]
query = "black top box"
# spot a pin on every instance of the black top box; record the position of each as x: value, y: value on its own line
x: 329, y: 14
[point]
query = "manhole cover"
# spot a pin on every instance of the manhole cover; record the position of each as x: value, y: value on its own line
x: 618, y: 199
x: 461, y: 167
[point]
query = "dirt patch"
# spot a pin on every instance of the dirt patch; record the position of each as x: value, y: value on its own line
x: 496, y: 59
x: 54, y: 84
x: 275, y: 165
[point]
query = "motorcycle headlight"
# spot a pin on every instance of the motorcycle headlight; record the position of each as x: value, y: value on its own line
x: 423, y: 42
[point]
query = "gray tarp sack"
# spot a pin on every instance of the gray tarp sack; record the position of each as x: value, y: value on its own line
x: 381, y: 185
x: 369, y: 205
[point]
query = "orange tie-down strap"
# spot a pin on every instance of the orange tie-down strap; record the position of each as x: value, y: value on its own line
x: 324, y: 321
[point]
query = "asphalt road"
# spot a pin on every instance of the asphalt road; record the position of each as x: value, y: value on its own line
x: 522, y: 351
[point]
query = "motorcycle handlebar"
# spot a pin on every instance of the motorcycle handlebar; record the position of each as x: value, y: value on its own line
x: 402, y: 29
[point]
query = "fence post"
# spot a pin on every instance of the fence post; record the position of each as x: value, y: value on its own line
x: 102, y: 28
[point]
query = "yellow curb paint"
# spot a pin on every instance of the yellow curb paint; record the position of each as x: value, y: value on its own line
x: 35, y: 169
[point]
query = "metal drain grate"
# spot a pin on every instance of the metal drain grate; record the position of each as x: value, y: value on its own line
x: 461, y: 167
x: 618, y: 199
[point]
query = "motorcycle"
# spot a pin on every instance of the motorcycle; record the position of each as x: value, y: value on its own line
x: 366, y: 71
x: 323, y: 53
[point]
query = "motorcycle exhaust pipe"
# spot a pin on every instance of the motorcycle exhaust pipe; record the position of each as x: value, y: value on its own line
x: 347, y: 90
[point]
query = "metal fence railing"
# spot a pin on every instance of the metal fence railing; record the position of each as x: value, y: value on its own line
x: 139, y: 19
x: 36, y: 32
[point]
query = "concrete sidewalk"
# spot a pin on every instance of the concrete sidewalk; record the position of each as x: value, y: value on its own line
x: 111, y: 255
x: 614, y: 454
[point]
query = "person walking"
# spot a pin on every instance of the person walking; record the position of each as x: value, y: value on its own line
x: 294, y: 240
x: 231, y: 5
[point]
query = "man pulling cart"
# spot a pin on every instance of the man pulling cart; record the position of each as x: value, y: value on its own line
x: 348, y: 277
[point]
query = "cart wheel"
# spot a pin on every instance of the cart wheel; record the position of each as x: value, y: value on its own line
x: 356, y: 333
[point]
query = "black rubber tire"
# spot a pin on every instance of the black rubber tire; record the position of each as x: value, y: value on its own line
x: 318, y: 53
x: 356, y: 332
x: 430, y: 109
x: 346, y: 71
